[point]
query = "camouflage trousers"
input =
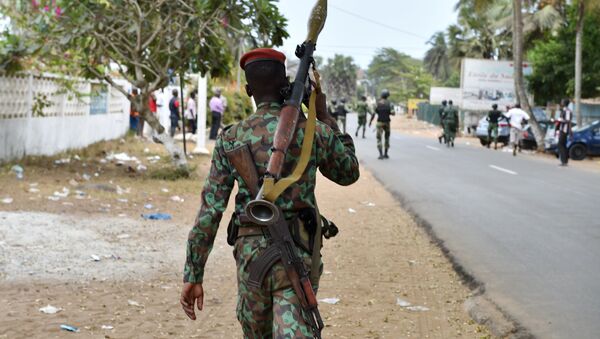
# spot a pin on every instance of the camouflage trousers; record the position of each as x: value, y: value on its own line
x: 362, y: 122
x: 273, y: 311
x: 383, y: 131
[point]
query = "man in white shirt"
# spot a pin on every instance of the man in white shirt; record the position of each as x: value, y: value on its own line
x: 518, y: 119
x: 190, y: 112
x: 565, y: 131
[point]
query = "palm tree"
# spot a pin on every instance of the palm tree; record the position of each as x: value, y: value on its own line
x: 582, y: 7
x: 436, y: 58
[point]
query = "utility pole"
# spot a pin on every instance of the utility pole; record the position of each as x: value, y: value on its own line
x: 181, y: 75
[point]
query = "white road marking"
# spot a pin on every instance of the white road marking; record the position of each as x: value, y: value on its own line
x: 433, y: 148
x: 503, y: 170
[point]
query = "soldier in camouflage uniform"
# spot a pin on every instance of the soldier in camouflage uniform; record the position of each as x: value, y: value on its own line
x: 274, y: 310
x: 362, y: 108
x: 383, y: 111
x: 450, y: 118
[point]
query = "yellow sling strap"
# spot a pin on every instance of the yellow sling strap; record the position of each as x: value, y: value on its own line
x: 272, y: 190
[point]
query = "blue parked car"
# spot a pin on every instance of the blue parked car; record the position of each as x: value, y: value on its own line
x: 585, y: 142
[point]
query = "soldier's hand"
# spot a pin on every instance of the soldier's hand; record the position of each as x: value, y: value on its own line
x: 192, y: 294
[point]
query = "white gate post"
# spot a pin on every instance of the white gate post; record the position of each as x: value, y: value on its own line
x: 201, y: 116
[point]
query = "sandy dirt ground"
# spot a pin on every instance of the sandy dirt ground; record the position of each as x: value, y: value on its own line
x: 115, y: 275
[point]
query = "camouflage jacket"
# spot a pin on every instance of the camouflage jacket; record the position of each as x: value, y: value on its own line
x: 333, y: 153
x: 362, y: 108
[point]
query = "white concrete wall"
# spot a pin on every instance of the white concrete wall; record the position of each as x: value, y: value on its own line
x: 66, y: 124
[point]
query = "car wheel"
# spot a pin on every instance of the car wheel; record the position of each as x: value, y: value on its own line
x: 483, y: 141
x: 577, y: 152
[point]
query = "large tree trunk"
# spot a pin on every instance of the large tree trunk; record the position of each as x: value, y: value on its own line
x: 578, y: 61
x: 519, y: 78
x: 176, y: 152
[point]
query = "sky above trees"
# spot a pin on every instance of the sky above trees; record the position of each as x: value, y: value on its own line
x: 411, y: 24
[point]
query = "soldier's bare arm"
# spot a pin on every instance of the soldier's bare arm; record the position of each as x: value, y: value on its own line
x: 214, y: 198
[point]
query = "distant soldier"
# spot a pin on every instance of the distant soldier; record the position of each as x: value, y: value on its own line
x: 494, y: 116
x: 441, y: 114
x: 450, y: 118
x: 341, y: 112
x: 362, y: 108
x: 383, y: 112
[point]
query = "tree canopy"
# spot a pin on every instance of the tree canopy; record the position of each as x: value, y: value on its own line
x: 339, y: 76
x: 554, y: 65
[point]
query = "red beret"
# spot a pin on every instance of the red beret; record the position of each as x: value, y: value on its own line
x: 261, y: 54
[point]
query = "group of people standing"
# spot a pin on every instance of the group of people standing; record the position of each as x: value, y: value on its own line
x: 173, y: 113
x: 518, y: 120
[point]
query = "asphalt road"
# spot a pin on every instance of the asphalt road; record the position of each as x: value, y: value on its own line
x: 525, y: 227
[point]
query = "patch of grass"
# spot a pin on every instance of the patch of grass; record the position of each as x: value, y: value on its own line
x: 171, y: 173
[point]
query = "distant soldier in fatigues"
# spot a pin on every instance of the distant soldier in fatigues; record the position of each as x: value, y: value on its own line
x: 362, y: 108
x: 450, y: 118
x: 383, y: 112
x: 441, y: 114
x: 341, y: 112
x: 494, y: 116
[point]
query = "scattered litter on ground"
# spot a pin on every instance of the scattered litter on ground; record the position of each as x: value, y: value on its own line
x: 141, y: 168
x: 76, y: 157
x: 63, y: 194
x: 7, y: 200
x: 402, y: 303
x: 134, y: 303
x: 123, y: 236
x: 157, y: 216
x: 49, y: 309
x: 18, y: 171
x: 100, y: 187
x: 330, y: 301
x: 33, y: 184
x: 177, y: 198
x: 417, y: 308
x: 95, y: 257
x: 62, y: 161
x: 153, y: 159
x: 351, y: 210
x: 164, y: 190
x: 121, y: 157
x: 121, y: 191
x: 53, y: 198
x: 96, y: 174
x: 67, y: 203
x: 107, y: 327
x: 123, y: 200
x: 412, y: 262
x: 148, y: 206
x: 368, y: 204
x: 33, y: 190
x: 86, y: 177
x: 69, y: 328
x: 103, y: 161
x: 73, y: 182
x: 146, y: 150
x: 122, y: 215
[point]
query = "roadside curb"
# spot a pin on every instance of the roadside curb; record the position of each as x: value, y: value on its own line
x: 479, y: 306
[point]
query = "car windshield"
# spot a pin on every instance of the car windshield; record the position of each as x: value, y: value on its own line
x: 586, y: 126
